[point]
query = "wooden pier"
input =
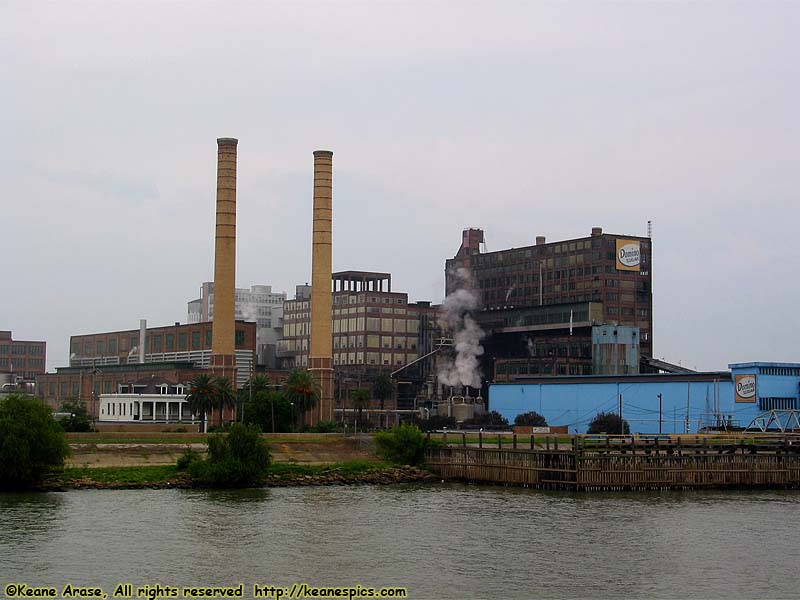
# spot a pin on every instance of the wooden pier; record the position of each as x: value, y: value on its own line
x: 597, y: 463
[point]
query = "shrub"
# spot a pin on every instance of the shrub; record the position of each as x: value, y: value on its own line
x: 78, y: 421
x: 239, y: 459
x: 437, y: 422
x: 404, y: 444
x: 187, y: 458
x: 325, y: 427
x: 608, y: 423
x: 488, y: 420
x: 530, y: 418
x: 32, y: 443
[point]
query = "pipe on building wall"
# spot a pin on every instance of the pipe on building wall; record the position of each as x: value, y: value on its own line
x: 142, y: 338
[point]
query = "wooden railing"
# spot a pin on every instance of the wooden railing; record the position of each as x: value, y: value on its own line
x: 627, y: 463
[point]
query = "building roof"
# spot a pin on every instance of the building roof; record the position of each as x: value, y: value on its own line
x: 749, y: 365
x: 362, y: 275
x: 147, y: 366
x: 632, y: 378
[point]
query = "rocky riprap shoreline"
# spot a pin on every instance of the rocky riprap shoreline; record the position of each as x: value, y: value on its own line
x: 381, y: 477
x: 386, y: 476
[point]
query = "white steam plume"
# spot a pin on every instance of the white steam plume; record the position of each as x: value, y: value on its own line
x: 467, y: 336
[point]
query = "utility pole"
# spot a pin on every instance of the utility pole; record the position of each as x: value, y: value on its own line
x: 621, y: 422
x: 540, y: 283
x: 659, y: 414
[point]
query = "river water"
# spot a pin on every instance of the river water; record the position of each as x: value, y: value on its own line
x: 438, y: 541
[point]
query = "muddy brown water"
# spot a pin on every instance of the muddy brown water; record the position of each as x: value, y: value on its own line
x: 437, y: 540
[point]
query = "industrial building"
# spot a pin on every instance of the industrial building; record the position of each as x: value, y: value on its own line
x: 105, y: 363
x: 375, y: 330
x: 258, y: 304
x: 574, y: 307
x: 21, y: 358
x: 95, y: 385
x: 759, y: 395
x: 172, y: 343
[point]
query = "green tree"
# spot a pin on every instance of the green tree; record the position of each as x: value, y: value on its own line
x: 260, y: 409
x: 436, y: 422
x: 360, y: 400
x: 302, y: 389
x: 405, y: 445
x: 256, y: 384
x: 530, y: 418
x: 238, y: 458
x: 608, y: 422
x: 225, y: 396
x: 32, y: 443
x: 202, y: 396
x: 383, y: 389
x: 79, y: 415
x: 487, y: 420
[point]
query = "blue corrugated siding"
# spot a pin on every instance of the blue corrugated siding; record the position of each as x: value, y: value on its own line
x: 575, y: 405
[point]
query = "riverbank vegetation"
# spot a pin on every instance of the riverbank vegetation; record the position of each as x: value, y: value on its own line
x: 404, y: 445
x: 276, y: 475
x: 239, y: 458
x: 32, y: 443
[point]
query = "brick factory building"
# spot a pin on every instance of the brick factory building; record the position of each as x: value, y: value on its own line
x: 375, y: 331
x: 544, y: 307
x: 88, y: 384
x: 21, y: 358
x: 115, y: 361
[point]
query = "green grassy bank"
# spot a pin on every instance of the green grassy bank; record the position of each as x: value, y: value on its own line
x: 279, y: 474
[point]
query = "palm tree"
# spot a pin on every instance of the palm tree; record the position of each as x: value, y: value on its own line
x: 302, y: 389
x: 257, y: 383
x: 202, y: 396
x: 383, y: 390
x: 225, y: 395
x: 361, y: 400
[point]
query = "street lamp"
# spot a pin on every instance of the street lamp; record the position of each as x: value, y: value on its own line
x: 292, y: 403
x: 659, y: 414
x: 272, y: 403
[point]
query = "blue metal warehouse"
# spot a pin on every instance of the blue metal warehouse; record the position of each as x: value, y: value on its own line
x: 678, y: 402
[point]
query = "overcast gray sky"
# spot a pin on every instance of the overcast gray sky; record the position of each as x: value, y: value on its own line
x: 521, y: 118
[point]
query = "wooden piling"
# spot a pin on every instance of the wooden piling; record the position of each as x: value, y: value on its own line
x: 762, y: 462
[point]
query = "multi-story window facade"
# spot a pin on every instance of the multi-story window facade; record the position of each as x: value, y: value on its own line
x: 174, y: 343
x: 372, y: 326
x: 538, y: 304
x: 21, y: 358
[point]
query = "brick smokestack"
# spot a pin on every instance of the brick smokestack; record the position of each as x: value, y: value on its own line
x: 321, y: 350
x: 223, y: 358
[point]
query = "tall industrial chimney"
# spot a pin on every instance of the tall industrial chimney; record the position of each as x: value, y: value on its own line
x: 320, y: 359
x: 223, y: 353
